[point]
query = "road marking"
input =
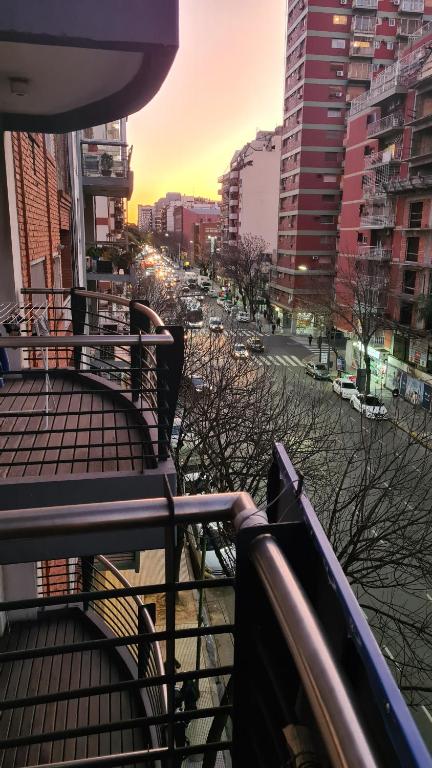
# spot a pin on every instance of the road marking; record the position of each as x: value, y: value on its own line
x: 426, y: 711
x: 299, y: 362
x: 265, y: 361
x: 273, y: 361
x: 429, y: 597
x: 283, y: 360
x: 388, y: 651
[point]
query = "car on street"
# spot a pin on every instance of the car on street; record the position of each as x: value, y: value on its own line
x: 254, y: 344
x: 369, y: 406
x: 242, y: 317
x: 345, y: 388
x: 217, y: 548
x: 216, y: 324
x: 199, y: 384
x: 220, y: 302
x: 228, y: 307
x: 240, y: 350
x: 317, y: 371
x: 212, y: 294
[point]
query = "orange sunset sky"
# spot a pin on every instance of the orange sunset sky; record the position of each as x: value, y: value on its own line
x: 226, y: 82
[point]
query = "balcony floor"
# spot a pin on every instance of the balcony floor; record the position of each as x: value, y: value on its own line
x: 50, y: 674
x: 87, y: 431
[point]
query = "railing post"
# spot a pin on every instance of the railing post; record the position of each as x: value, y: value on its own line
x: 87, y: 566
x: 137, y: 322
x: 78, y: 311
x: 144, y: 646
x: 170, y: 367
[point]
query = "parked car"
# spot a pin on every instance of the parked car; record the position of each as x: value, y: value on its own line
x: 369, y: 405
x: 216, y: 324
x: 254, y: 344
x: 215, y: 540
x: 220, y: 302
x: 242, y: 317
x: 317, y: 371
x: 199, y: 384
x: 345, y: 388
x: 212, y: 294
x: 240, y: 350
x: 228, y: 307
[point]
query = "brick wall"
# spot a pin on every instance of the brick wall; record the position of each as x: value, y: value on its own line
x: 37, y: 204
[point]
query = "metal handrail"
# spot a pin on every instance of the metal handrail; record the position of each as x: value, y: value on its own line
x: 148, y: 623
x: 327, y: 693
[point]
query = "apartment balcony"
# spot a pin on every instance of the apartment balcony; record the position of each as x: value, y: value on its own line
x: 86, y: 675
x: 233, y: 215
x: 411, y: 6
x: 374, y: 252
x: 388, y: 156
x: 393, y: 122
x: 365, y: 5
x: 105, y: 168
x: 232, y: 229
x: 66, y: 66
x: 408, y: 27
x: 362, y: 48
x: 359, y: 70
x: 398, y: 186
x: 364, y: 25
x: 233, y: 189
x: 94, y: 380
x: 378, y: 218
x: 421, y: 149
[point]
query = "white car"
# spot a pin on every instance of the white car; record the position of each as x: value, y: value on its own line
x: 216, y: 324
x: 345, y: 388
x: 242, y: 317
x: 240, y: 350
x: 215, y: 540
x: 369, y: 406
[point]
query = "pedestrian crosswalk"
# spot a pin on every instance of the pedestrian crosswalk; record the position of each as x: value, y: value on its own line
x: 276, y: 360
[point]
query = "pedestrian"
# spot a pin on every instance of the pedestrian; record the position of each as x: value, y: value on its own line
x: 265, y: 314
x: 259, y: 326
x: 273, y: 328
x: 278, y: 322
x: 310, y: 339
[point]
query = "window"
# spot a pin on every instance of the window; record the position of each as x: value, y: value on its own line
x: 412, y: 248
x: 390, y: 45
x: 338, y: 43
x: 377, y: 43
x: 415, y: 215
x: 329, y: 198
x: 334, y: 112
x: 329, y: 178
x: 340, y: 20
x: 392, y: 22
x: 326, y: 219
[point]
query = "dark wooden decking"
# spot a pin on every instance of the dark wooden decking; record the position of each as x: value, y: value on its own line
x: 86, y: 430
x: 64, y: 672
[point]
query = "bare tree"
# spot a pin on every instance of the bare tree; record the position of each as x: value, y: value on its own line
x: 374, y: 499
x: 246, y: 266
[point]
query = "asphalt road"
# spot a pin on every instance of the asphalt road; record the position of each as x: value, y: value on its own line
x: 286, y: 356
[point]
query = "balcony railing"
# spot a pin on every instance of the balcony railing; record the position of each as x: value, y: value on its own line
x: 365, y: 49
x: 398, y: 186
x: 359, y: 70
x: 409, y: 27
x: 397, y: 77
x: 374, y: 252
x: 297, y: 648
x: 411, y: 6
x: 105, y: 375
x: 391, y: 155
x: 380, y: 219
x: 386, y: 124
x: 365, y: 4
x: 364, y: 24
x: 105, y: 168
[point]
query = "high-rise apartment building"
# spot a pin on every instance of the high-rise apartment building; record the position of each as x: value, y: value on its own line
x: 249, y: 191
x: 145, y: 217
x: 386, y: 216
x: 334, y: 50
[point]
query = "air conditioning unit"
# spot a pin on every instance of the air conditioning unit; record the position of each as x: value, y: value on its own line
x: 395, y: 2
x: 339, y: 73
x: 343, y: 2
x: 338, y: 94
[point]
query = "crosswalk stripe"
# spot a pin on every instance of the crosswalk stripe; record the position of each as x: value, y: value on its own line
x: 299, y: 362
x: 281, y: 359
x: 265, y: 361
x: 273, y: 360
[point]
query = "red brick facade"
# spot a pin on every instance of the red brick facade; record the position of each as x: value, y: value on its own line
x: 42, y: 210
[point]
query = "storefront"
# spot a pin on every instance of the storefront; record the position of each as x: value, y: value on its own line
x: 378, y: 360
x: 417, y: 391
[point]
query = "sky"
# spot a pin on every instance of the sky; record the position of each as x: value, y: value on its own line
x: 225, y: 84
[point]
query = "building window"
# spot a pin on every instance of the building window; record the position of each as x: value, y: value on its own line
x: 409, y: 281
x: 390, y: 45
x: 329, y: 198
x: 412, y: 248
x: 340, y: 19
x: 326, y: 219
x: 338, y: 43
x: 334, y: 112
x: 377, y: 43
x: 415, y: 215
x: 329, y: 178
x: 392, y: 22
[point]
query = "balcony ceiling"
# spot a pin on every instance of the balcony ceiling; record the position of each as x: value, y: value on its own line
x: 83, y: 63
